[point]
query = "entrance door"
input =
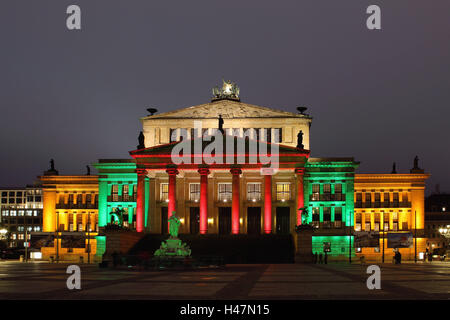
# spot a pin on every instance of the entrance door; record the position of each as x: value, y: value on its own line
x: 195, y: 220
x: 283, y: 220
x: 254, y: 220
x: 164, y: 220
x: 224, y: 220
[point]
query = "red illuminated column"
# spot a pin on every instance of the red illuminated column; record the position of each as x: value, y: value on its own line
x: 235, y: 205
x: 172, y: 190
x: 268, y: 204
x: 203, y: 200
x: 140, y: 199
x: 300, y: 197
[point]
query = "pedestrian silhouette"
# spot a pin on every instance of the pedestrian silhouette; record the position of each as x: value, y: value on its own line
x: 326, y: 258
x: 320, y: 258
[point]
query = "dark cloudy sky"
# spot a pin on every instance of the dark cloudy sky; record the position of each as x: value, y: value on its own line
x: 77, y: 96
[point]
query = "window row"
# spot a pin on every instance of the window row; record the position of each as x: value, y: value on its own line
x: 377, y: 224
x: 128, y: 193
x: 224, y: 191
x: 263, y: 134
x: 20, y: 213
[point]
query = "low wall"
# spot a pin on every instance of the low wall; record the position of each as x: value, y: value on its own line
x: 120, y: 242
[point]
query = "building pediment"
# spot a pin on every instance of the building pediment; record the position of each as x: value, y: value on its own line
x: 229, y: 109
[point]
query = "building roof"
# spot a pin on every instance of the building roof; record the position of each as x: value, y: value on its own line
x: 229, y: 109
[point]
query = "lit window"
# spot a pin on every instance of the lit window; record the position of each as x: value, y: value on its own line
x: 253, y: 191
x: 29, y: 213
x: 225, y: 191
x: 20, y: 236
x: 115, y: 192
x: 126, y: 193
x: 315, y: 192
x: 283, y: 191
x: 21, y: 213
x: 164, y: 192
x: 13, y: 213
x: 194, y: 191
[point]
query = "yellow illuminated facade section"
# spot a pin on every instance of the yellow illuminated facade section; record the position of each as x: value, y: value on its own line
x: 390, y: 203
x: 70, y: 209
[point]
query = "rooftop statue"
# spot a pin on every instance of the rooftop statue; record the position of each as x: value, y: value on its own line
x: 300, y: 140
x: 88, y: 171
x: 221, y: 124
x: 141, y: 141
x: 229, y: 90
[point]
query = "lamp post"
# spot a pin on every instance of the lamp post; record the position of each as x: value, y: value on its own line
x: 89, y: 238
x: 415, y: 236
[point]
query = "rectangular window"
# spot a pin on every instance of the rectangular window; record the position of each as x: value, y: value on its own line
x: 326, y: 214
x: 194, y: 192
x: 395, y: 199
x: 283, y: 191
x: 164, y: 192
x: 88, y: 198
x: 225, y: 192
x: 327, y: 188
x: 367, y: 222
x: 386, y: 221
x: 316, y: 216
x: 315, y: 192
x: 368, y: 197
x: 115, y: 192
x: 253, y: 191
x: 338, y: 214
x: 268, y: 135
x: 126, y: 192
x: 277, y: 135
x: 338, y: 188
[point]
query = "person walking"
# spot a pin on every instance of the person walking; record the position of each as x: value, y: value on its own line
x: 320, y: 258
x: 326, y: 258
x: 315, y: 258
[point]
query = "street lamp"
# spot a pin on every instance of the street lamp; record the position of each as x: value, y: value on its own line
x: 445, y: 231
x: 3, y: 232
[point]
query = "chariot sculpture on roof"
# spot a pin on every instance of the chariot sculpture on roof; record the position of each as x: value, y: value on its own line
x: 229, y: 90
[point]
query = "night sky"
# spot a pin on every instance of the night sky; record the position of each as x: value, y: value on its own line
x: 77, y: 96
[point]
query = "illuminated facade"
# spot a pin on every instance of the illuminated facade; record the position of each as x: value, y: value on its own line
x: 391, y: 203
x: 70, y: 217
x: 238, y: 192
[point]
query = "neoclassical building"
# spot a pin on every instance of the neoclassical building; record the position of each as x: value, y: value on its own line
x: 229, y: 167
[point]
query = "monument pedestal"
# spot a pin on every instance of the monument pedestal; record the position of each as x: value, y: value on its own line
x: 303, y: 244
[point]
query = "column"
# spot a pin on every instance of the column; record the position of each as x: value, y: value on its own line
x: 300, y: 197
x: 203, y: 200
x: 49, y: 214
x: 172, y: 191
x: 140, y: 199
x: 268, y: 203
x: 235, y: 204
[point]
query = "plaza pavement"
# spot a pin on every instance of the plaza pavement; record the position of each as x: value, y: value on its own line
x: 268, y: 282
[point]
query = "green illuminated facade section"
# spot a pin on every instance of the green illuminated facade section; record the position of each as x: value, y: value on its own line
x: 329, y: 192
x: 118, y: 189
x: 329, y: 197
